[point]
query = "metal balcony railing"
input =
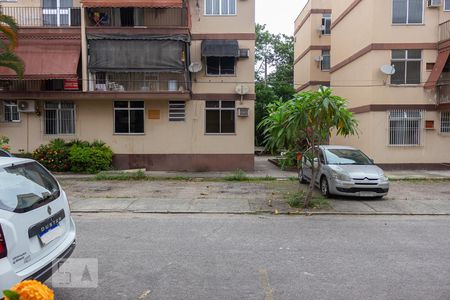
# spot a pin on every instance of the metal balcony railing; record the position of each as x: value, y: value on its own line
x: 137, y: 17
x: 444, y: 31
x: 139, y: 82
x: 44, y: 17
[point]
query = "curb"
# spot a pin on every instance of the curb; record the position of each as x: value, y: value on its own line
x: 303, y: 213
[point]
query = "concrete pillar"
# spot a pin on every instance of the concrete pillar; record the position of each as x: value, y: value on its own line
x: 84, y: 52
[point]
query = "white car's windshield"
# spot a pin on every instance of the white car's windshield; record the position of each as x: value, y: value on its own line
x: 24, y: 187
x: 346, y: 157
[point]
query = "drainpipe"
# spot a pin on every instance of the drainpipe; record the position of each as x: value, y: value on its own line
x: 84, y: 55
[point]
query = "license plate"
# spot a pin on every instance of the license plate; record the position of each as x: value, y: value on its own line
x: 366, y: 194
x: 51, y: 234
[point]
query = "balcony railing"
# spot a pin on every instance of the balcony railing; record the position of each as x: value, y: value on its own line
x: 139, y: 82
x: 137, y: 17
x: 44, y: 17
x: 52, y: 85
x: 444, y: 31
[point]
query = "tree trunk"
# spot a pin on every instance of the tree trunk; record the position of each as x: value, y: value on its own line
x: 311, y: 187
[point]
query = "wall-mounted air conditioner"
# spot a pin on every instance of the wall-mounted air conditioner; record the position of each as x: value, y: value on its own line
x: 243, y: 111
x: 244, y: 53
x: 26, y: 106
x: 434, y: 3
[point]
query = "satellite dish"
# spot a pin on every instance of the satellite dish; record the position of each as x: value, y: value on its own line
x: 388, y: 69
x: 195, y: 67
x: 242, y: 89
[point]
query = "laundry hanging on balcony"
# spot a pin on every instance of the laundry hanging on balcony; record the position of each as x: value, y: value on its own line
x: 124, y: 53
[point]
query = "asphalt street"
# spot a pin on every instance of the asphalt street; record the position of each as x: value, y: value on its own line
x: 264, y: 257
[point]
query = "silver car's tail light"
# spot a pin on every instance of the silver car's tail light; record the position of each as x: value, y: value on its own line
x: 3, y: 249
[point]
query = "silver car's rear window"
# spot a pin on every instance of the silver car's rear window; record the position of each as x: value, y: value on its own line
x: 24, y: 187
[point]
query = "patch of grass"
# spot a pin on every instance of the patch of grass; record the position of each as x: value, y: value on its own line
x: 237, y: 175
x: 139, y: 175
x: 297, y: 200
x: 293, y: 178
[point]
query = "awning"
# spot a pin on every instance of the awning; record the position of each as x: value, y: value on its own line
x: 136, y: 56
x: 437, y: 70
x: 220, y: 48
x: 133, y: 3
x: 46, y: 59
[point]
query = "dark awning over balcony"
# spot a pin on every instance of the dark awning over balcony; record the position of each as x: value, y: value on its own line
x: 437, y: 70
x: 136, y: 55
x: 220, y: 48
x: 47, y: 59
x: 133, y: 3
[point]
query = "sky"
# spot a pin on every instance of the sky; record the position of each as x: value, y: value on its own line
x: 279, y: 15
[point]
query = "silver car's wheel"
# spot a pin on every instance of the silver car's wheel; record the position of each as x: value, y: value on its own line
x: 324, y: 188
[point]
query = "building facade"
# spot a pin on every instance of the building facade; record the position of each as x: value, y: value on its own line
x: 168, y: 84
x: 390, y: 59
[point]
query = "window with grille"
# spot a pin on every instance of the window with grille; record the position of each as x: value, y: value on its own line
x: 407, y: 11
x: 220, y: 7
x: 177, y: 111
x: 326, y: 24
x: 445, y: 122
x: 220, y: 65
x: 10, y: 112
x: 405, y: 127
x: 326, y: 62
x: 407, y: 65
x: 129, y: 117
x: 59, y: 117
x: 220, y: 117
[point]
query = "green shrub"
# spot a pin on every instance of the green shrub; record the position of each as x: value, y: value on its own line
x: 90, y: 158
x: 54, y: 156
x: 4, y: 141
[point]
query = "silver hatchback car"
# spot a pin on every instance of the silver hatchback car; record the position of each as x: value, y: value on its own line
x: 345, y: 171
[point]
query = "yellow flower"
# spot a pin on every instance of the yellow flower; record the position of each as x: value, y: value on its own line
x: 32, y: 290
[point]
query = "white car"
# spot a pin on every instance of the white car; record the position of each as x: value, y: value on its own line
x: 37, y: 232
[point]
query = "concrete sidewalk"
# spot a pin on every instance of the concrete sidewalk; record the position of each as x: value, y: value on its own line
x: 264, y: 168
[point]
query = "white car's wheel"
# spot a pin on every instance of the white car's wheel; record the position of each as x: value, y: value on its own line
x: 324, y: 187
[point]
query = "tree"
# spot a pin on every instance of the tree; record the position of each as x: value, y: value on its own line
x: 274, y: 71
x: 305, y: 122
x: 8, y: 59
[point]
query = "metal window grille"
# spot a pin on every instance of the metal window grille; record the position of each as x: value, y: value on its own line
x: 445, y: 122
x: 326, y: 62
x: 220, y: 117
x: 177, y: 111
x: 405, y: 127
x: 220, y: 7
x: 11, y: 112
x: 59, y: 118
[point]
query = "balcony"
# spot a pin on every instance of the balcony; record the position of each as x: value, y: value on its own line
x: 44, y: 17
x: 137, y: 17
x: 139, y: 82
x: 444, y: 31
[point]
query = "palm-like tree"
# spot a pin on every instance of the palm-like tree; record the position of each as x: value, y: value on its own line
x: 8, y: 43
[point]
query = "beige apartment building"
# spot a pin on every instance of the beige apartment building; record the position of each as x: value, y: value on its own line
x: 168, y: 84
x: 390, y: 59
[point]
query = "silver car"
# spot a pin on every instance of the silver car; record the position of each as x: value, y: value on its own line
x: 345, y: 171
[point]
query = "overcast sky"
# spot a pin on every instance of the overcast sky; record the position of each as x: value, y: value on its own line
x: 279, y: 15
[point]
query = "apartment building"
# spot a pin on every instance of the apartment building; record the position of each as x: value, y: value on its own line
x: 168, y: 84
x: 390, y: 59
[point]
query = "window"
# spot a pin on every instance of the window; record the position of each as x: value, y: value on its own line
x: 447, y: 5
x: 407, y: 66
x: 220, y: 7
x: 445, y: 122
x: 56, y: 12
x: 220, y: 117
x: 59, y: 117
x: 129, y: 117
x: 326, y: 24
x: 325, y: 62
x: 10, y: 112
x: 407, y: 12
x: 220, y: 65
x: 405, y: 127
x: 177, y: 111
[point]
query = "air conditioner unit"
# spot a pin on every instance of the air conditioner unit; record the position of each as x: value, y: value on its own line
x: 243, y: 111
x: 26, y: 106
x: 434, y: 3
x: 318, y: 58
x: 321, y: 29
x: 244, y: 53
